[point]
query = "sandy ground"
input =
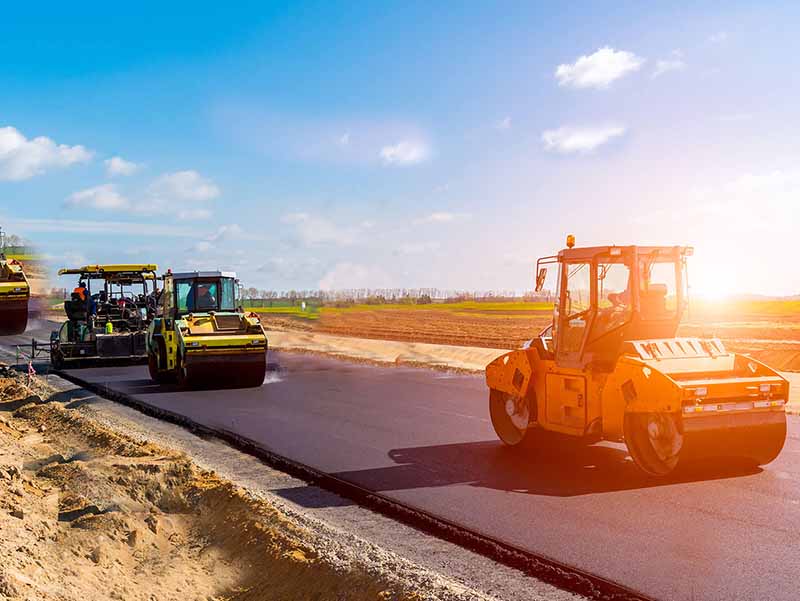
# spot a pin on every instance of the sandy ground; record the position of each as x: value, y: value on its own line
x: 456, y: 358
x: 88, y: 513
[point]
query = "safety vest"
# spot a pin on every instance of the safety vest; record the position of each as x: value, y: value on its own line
x: 80, y: 291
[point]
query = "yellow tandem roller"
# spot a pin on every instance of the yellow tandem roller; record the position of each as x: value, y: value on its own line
x: 15, y: 293
x: 201, y: 338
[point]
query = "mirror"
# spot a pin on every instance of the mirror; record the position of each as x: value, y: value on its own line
x: 540, y: 277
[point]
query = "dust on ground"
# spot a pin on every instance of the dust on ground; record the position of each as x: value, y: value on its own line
x: 89, y: 513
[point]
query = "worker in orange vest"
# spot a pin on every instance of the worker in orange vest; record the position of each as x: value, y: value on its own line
x: 81, y: 291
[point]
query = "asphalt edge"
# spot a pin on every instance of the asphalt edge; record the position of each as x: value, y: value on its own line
x: 543, y: 568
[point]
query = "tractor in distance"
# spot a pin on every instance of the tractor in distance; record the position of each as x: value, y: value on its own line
x: 610, y: 367
x: 107, y: 315
x: 201, y: 337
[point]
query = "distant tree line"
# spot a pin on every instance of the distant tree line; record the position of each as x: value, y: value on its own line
x: 12, y: 244
x: 379, y: 296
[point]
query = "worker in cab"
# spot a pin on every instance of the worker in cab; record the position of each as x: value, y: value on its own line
x: 201, y: 297
x: 205, y: 298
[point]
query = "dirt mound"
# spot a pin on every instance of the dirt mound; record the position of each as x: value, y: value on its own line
x: 88, y: 513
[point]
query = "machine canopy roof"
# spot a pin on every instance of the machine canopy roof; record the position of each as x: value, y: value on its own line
x: 114, y: 272
x: 188, y: 275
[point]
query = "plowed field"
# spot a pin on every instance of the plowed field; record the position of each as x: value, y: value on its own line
x: 770, y: 330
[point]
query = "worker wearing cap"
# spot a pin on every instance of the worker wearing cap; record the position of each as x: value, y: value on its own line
x: 205, y: 300
x: 81, y: 291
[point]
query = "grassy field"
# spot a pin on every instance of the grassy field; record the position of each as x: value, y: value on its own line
x: 467, y: 307
x: 287, y: 311
x: 23, y: 258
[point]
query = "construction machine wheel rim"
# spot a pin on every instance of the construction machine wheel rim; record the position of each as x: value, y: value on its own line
x: 654, y: 441
x: 510, y: 416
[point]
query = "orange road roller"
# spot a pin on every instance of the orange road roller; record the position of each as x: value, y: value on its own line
x: 610, y: 367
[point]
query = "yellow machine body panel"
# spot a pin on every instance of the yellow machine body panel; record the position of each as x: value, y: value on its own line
x: 14, y: 291
x: 565, y: 401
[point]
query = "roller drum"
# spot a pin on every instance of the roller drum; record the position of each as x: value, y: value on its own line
x: 223, y: 371
x: 13, y: 318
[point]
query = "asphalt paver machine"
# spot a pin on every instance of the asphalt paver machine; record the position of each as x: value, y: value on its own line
x: 107, y: 313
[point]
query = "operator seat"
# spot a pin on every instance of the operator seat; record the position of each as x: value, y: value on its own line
x: 75, y: 308
x: 653, y: 301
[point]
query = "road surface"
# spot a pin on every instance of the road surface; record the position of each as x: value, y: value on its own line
x: 424, y: 438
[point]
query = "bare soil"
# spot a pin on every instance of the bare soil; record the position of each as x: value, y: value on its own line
x: 88, y: 513
x: 772, y: 338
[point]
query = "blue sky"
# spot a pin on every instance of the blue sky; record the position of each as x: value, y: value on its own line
x: 400, y: 143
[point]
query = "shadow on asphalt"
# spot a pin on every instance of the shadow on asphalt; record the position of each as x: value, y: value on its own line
x: 563, y: 471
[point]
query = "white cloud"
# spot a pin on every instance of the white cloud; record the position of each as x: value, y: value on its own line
x: 119, y: 166
x: 202, y: 246
x: 314, y: 231
x: 347, y: 275
x: 718, y: 37
x: 598, y: 70
x: 211, y: 242
x: 504, y: 123
x: 184, y: 195
x: 405, y: 152
x: 104, y: 198
x: 21, y: 158
x: 580, y: 139
x: 225, y: 232
x: 441, y: 217
x: 667, y: 65
x: 344, y: 140
x: 184, y: 185
x: 292, y: 268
